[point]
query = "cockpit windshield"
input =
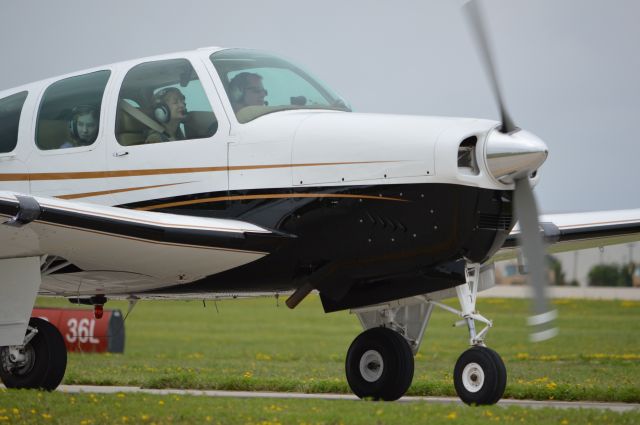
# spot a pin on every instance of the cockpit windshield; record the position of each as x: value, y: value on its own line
x: 258, y: 83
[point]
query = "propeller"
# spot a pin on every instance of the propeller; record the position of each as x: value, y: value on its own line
x: 512, y: 155
x: 476, y: 21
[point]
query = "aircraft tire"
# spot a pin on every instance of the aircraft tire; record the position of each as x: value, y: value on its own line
x: 379, y: 365
x: 46, y: 360
x: 480, y: 376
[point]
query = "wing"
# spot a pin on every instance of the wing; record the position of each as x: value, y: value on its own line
x: 108, y: 250
x: 116, y: 250
x: 573, y: 231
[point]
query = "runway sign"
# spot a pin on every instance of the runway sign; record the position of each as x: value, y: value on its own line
x: 82, y: 332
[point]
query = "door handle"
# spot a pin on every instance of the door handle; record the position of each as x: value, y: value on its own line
x: 119, y: 154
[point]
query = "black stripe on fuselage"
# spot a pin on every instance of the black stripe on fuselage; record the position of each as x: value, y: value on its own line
x: 375, y: 236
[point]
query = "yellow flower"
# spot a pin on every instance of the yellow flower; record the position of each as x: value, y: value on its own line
x: 248, y: 374
x: 120, y: 395
x: 261, y: 356
x: 161, y: 402
x: 564, y: 422
x: 144, y: 417
x: 124, y: 419
x: 522, y: 356
x: 4, y: 418
x: 550, y: 358
x: 452, y: 415
x: 15, y: 411
x: 46, y: 416
x: 551, y: 386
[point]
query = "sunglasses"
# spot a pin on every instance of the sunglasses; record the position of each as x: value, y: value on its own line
x: 257, y: 90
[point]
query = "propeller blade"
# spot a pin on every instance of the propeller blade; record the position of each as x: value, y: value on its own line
x: 542, y: 320
x: 475, y: 18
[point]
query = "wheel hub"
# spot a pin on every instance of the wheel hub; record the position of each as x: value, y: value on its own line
x: 371, y: 366
x: 17, y: 364
x: 473, y: 377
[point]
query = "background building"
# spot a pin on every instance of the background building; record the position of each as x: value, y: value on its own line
x: 577, y: 264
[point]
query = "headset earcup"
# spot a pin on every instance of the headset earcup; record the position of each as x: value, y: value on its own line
x: 161, y: 113
x: 73, y: 128
x: 236, y: 94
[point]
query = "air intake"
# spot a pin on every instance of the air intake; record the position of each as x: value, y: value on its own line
x: 467, y: 156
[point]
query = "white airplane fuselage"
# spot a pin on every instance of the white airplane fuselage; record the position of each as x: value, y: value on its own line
x: 370, y: 197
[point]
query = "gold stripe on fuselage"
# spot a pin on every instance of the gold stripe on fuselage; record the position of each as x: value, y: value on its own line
x: 267, y: 196
x: 80, y: 175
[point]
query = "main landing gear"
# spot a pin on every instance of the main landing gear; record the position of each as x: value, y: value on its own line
x: 380, y: 361
x: 39, y: 363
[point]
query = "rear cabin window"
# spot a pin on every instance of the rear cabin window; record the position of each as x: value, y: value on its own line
x: 69, y: 114
x: 10, y: 110
x: 163, y: 101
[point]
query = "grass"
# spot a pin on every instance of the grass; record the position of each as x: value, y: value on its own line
x: 254, y: 345
x: 33, y: 407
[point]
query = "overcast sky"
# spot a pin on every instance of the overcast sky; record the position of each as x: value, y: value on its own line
x: 569, y: 69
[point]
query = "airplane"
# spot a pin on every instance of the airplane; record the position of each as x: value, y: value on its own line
x: 233, y: 172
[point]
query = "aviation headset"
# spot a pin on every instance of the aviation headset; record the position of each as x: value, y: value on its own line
x: 238, y: 84
x: 78, y: 111
x: 161, y: 111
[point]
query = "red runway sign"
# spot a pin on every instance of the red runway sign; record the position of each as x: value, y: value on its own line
x: 81, y: 331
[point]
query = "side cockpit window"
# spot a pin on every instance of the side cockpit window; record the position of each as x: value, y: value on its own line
x: 69, y: 114
x: 163, y: 101
x: 10, y: 110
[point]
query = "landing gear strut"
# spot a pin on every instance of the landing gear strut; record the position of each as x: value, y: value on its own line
x: 479, y: 376
x: 380, y: 360
x: 39, y: 363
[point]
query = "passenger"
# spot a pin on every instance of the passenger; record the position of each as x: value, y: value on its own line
x: 169, y: 110
x: 83, y: 126
x: 246, y: 89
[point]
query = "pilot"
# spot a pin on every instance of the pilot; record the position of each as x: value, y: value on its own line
x: 83, y: 126
x: 169, y: 110
x: 246, y: 89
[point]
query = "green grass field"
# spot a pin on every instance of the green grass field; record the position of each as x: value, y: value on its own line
x: 255, y: 345
x: 33, y: 407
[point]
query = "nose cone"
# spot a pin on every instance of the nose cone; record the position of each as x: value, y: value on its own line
x: 515, y: 155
